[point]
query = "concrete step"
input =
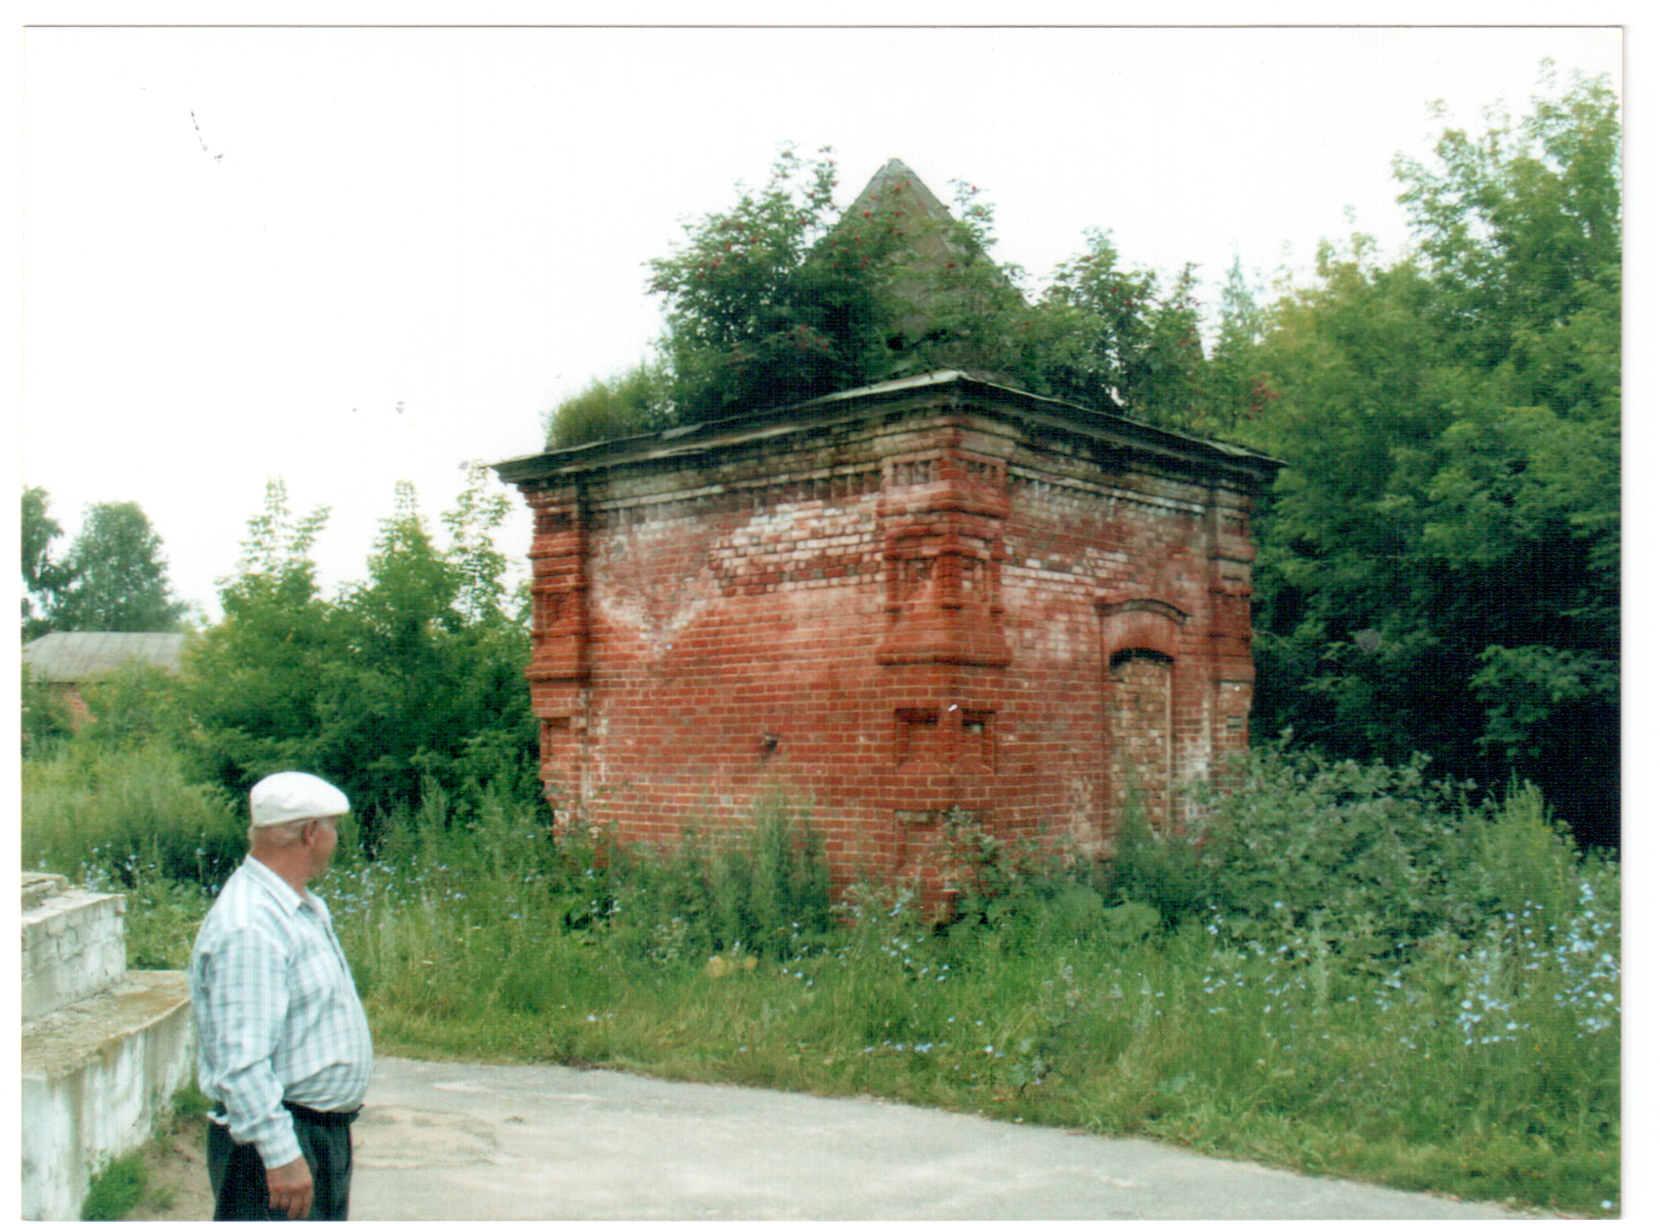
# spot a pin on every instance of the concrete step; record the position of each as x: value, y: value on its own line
x: 39, y: 885
x: 96, y: 1075
x: 74, y: 944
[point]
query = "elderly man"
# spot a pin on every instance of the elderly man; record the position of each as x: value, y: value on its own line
x: 283, y: 1044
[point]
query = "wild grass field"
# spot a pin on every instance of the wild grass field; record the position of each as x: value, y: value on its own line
x: 1351, y: 971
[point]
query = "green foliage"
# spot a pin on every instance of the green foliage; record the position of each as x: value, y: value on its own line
x: 412, y: 676
x: 42, y: 578
x: 1112, y: 337
x: 113, y: 811
x: 116, y: 1189
x: 133, y: 705
x: 190, y: 1101
x: 1235, y: 389
x: 46, y: 719
x: 114, y: 578
x: 779, y: 300
x: 163, y: 913
x: 1157, y: 871
x: 1523, y: 860
x: 1439, y: 564
x: 480, y: 567
x: 1518, y: 221
x: 771, y: 302
x: 954, y: 305
x: 1374, y: 856
x: 124, y: 1189
x: 634, y: 402
x: 253, y: 682
x: 764, y: 890
x: 1480, y: 1058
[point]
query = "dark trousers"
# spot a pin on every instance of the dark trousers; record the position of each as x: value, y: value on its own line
x: 238, y: 1174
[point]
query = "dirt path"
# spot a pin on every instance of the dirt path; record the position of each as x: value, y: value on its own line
x: 177, y: 1183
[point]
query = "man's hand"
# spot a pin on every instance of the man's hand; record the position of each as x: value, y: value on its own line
x: 290, y: 1186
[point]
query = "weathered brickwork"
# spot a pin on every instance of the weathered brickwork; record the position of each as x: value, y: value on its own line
x: 926, y: 597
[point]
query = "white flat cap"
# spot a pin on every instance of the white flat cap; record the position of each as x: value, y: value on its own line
x: 284, y: 797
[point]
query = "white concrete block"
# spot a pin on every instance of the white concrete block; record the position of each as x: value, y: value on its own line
x: 96, y: 1074
x: 73, y: 947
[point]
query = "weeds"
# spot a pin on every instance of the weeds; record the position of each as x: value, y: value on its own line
x: 116, y: 1189
x: 1347, y: 970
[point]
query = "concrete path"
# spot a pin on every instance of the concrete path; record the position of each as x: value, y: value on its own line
x: 472, y: 1142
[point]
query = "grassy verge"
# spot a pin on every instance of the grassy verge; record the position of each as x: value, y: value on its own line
x: 1354, y: 974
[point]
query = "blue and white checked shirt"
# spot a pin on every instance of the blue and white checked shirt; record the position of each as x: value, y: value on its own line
x: 277, y: 1013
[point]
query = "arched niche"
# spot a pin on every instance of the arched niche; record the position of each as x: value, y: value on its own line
x: 1142, y: 657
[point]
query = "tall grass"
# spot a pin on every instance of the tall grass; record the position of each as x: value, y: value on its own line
x: 117, y: 810
x: 1348, y: 970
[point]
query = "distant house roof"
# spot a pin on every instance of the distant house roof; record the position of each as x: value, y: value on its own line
x: 69, y: 658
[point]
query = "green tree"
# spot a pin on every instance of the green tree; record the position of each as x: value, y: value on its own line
x: 775, y: 300
x: 1172, y: 391
x: 1096, y: 326
x: 1439, y: 567
x: 253, y: 683
x: 1350, y: 361
x: 1517, y: 224
x: 412, y: 676
x: 1117, y: 337
x: 115, y: 576
x: 1236, y: 389
x: 479, y: 510
x: 781, y: 298
x: 42, y: 578
x: 431, y: 687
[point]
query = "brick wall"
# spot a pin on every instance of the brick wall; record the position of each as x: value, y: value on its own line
x: 891, y: 610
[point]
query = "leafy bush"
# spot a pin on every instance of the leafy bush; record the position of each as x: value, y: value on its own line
x: 162, y: 917
x: 135, y: 704
x: 412, y: 677
x: 1520, y: 857
x: 1371, y: 853
x: 634, y: 402
x: 1159, y: 870
x: 46, y: 717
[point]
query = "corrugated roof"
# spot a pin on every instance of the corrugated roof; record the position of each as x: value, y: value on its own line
x: 68, y: 658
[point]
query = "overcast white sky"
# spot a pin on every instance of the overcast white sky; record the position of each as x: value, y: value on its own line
x: 346, y: 257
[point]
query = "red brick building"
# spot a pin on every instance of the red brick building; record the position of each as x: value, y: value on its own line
x: 928, y: 596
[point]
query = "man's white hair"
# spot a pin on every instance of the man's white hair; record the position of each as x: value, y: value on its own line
x: 277, y: 835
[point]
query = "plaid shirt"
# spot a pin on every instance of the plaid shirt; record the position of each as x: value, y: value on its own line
x: 277, y: 1014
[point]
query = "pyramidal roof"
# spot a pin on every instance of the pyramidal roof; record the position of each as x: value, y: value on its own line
x: 921, y: 275
x: 897, y: 186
